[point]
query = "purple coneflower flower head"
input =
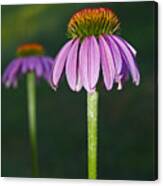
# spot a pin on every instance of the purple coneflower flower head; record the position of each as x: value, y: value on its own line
x: 30, y: 58
x: 94, y: 46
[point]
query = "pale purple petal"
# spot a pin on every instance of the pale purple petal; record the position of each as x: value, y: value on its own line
x: 31, y: 63
x: 8, y: 83
x: 60, y: 62
x: 12, y: 68
x: 12, y: 72
x: 47, y: 63
x: 38, y: 68
x: 119, y: 61
x: 79, y: 82
x: 72, y: 65
x: 129, y: 59
x: 124, y: 73
x: 134, y: 52
x: 93, y: 61
x: 107, y: 62
x: 83, y: 64
x: 24, y: 66
x: 123, y: 76
x: 13, y: 82
x: 115, y: 53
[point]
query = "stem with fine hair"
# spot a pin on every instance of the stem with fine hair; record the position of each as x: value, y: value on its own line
x: 31, y: 93
x: 92, y: 109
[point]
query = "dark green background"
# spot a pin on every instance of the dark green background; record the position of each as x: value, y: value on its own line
x: 126, y: 118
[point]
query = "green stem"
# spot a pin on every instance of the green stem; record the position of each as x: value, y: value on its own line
x: 92, y: 109
x: 31, y: 93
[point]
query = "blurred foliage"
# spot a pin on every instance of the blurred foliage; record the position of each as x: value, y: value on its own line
x: 126, y: 118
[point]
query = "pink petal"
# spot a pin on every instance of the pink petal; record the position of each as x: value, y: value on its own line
x: 24, y: 66
x: 31, y: 63
x: 12, y: 69
x: 47, y: 63
x: 79, y: 82
x: 72, y: 65
x: 134, y: 52
x: 108, y: 69
x: 60, y: 62
x: 83, y: 63
x: 129, y: 59
x: 39, y: 68
x: 115, y: 53
x: 93, y: 61
x: 89, y: 61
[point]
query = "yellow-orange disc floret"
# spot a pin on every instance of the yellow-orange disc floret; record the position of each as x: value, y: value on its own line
x: 93, y: 21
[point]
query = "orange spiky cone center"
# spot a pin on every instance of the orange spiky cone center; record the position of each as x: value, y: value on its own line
x: 30, y: 49
x: 93, y: 21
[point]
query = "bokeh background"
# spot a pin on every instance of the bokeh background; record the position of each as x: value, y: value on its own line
x: 127, y: 128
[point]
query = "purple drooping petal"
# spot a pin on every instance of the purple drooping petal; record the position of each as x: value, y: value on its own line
x: 107, y: 62
x: 129, y: 59
x: 119, y: 61
x: 93, y: 61
x: 84, y: 64
x: 10, y: 82
x: 134, y: 52
x: 38, y: 64
x: 124, y: 73
x: 123, y: 76
x: 47, y: 63
x: 79, y: 82
x: 12, y: 67
x: 60, y: 62
x: 116, y: 54
x: 72, y: 65
x: 38, y: 68
x: 11, y: 72
x: 31, y: 62
x: 24, y: 66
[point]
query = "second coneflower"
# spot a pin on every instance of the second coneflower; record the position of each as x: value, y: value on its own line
x: 30, y: 60
x: 94, y: 45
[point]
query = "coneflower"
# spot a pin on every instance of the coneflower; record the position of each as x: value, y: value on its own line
x: 30, y: 60
x: 94, y: 45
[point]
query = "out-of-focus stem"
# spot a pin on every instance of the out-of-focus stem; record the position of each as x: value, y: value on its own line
x: 31, y: 93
